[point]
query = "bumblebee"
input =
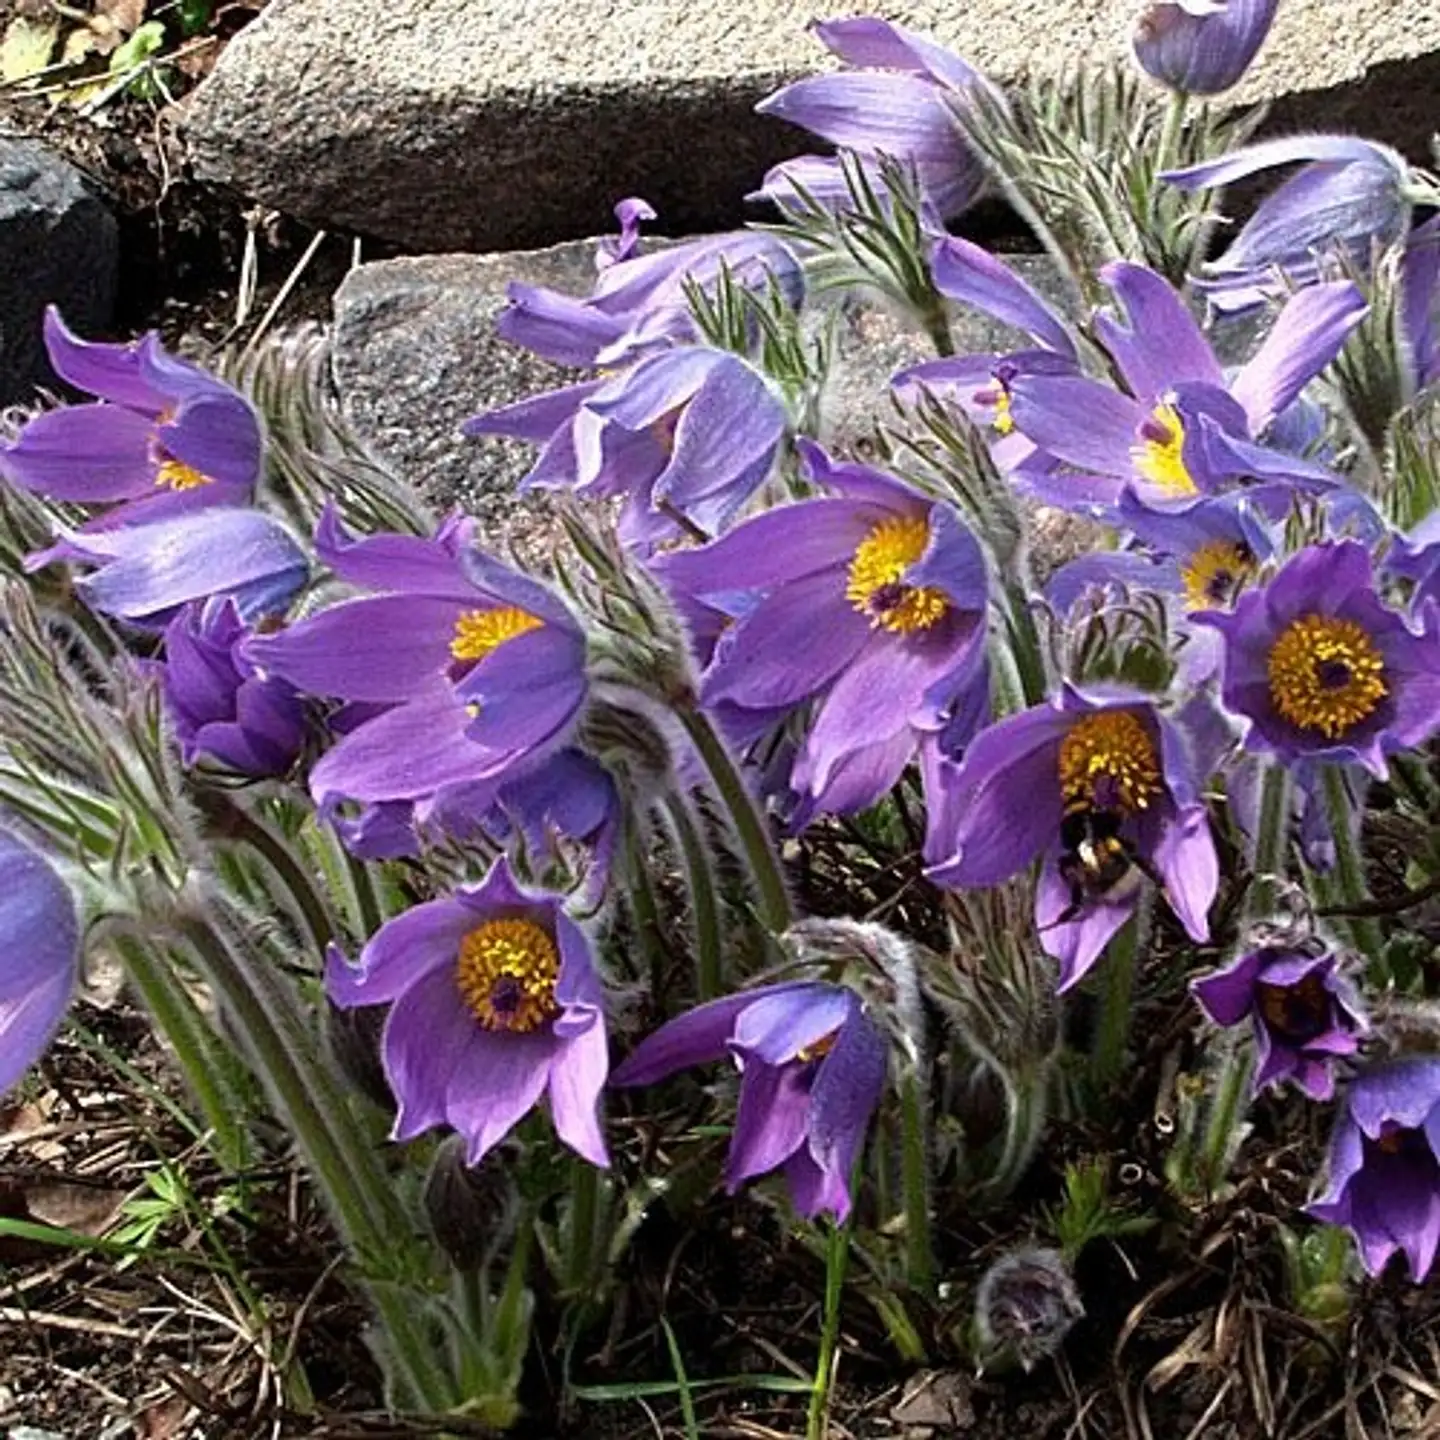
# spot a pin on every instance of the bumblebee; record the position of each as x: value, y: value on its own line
x: 1097, y: 862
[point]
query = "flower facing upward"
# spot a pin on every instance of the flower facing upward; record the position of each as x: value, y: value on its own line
x: 812, y: 1066
x: 1322, y: 669
x: 1201, y: 47
x: 1102, y: 787
x: 494, y: 1000
x: 1304, y: 1015
x: 164, y: 439
x: 1384, y: 1171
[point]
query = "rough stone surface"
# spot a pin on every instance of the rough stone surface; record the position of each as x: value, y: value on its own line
x: 58, y: 245
x: 505, y: 123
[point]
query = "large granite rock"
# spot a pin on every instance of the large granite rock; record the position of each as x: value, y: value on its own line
x: 505, y: 123
x: 58, y: 245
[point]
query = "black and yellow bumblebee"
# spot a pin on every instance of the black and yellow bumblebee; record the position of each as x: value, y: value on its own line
x: 1098, y: 862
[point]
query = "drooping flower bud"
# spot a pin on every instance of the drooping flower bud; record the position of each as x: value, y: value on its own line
x: 471, y: 1208
x: 1201, y: 47
x: 1025, y: 1306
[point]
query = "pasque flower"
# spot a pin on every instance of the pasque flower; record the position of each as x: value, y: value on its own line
x: 1323, y: 669
x: 812, y: 1066
x: 164, y: 437
x: 40, y: 959
x: 1102, y: 787
x: 1304, y: 1014
x: 899, y: 98
x: 1384, y: 1171
x: 1201, y: 47
x: 871, y: 603
x: 223, y: 707
x: 494, y: 1001
x: 468, y: 668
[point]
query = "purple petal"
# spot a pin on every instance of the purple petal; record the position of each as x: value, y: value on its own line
x: 497, y: 1081
x: 879, y: 45
x: 769, y: 1120
x: 846, y: 1091
x: 87, y: 453
x: 1077, y: 944
x: 779, y: 1024
x: 1160, y: 344
x: 969, y: 273
x: 891, y: 114
x: 698, y: 1037
x: 401, y: 952
x: 427, y: 1031
x: 113, y: 372
x: 1227, y: 995
x: 576, y: 1080
x: 1186, y: 859
x: 1290, y: 150
x: 1079, y: 420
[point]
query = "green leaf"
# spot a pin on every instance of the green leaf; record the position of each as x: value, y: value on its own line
x: 138, y: 48
x: 26, y: 48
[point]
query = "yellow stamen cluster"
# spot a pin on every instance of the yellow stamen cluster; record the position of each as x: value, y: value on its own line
x: 1162, y: 460
x: 875, y: 586
x: 1108, y: 760
x: 479, y: 632
x: 1215, y: 574
x: 172, y: 474
x: 1326, y: 674
x: 821, y: 1048
x: 506, y: 972
x: 1003, y: 422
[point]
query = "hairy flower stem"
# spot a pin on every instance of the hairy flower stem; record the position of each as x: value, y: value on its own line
x: 837, y: 1259
x: 1112, y: 1033
x: 581, y: 1269
x: 747, y: 818
x: 1350, y: 887
x: 915, y: 1182
x: 1272, y: 842
x: 1222, y: 1135
x: 266, y: 1013
x: 644, y: 913
x: 1025, y: 643
x: 937, y: 327
x: 700, y: 881
x: 1026, y: 1111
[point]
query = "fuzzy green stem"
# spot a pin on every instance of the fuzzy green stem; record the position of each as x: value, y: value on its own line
x: 580, y: 1266
x: 915, y: 1183
x: 1349, y: 863
x: 747, y: 818
x: 837, y: 1258
x: 1117, y: 1003
x: 1025, y: 645
x: 709, y: 949
x: 274, y: 852
x: 1026, y: 1110
x: 1232, y: 1094
x: 1168, y: 156
x: 1272, y: 841
x: 937, y: 327
x: 644, y: 913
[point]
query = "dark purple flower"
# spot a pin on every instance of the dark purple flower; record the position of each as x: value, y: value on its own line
x: 1384, y: 1174
x: 471, y: 669
x: 900, y: 100
x: 812, y: 1066
x: 222, y: 706
x: 1201, y: 47
x: 1304, y: 1015
x: 1348, y: 201
x: 690, y: 430
x: 871, y: 603
x: 494, y: 1000
x: 1103, y: 788
x: 1322, y: 669
x: 1420, y: 304
x: 164, y: 438
x: 41, y: 956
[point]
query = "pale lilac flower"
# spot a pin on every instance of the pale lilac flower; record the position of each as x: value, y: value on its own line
x: 1201, y: 47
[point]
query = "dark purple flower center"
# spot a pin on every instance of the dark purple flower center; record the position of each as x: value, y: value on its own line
x: 1401, y: 1144
x: 1333, y: 674
x: 1296, y: 1013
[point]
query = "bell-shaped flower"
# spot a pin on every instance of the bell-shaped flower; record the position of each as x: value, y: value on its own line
x: 467, y: 669
x: 1420, y: 305
x: 1385, y: 1165
x: 812, y: 1067
x: 901, y: 98
x: 1323, y: 669
x: 1201, y: 47
x: 1347, y: 200
x: 1103, y: 789
x: 223, y: 707
x: 494, y: 1001
x: 163, y: 438
x: 871, y: 604
x: 1304, y: 1014
x: 41, y: 956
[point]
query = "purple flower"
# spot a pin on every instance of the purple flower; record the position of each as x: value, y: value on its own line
x: 1304, y: 1015
x: 871, y: 603
x: 1201, y: 47
x: 1322, y: 669
x: 164, y: 438
x: 144, y: 573
x: 41, y: 957
x: 1183, y: 429
x: 691, y: 430
x: 812, y: 1066
x: 1349, y: 200
x: 1420, y: 304
x: 222, y: 706
x: 900, y: 101
x: 468, y: 668
x: 1384, y: 1174
x: 494, y: 1000
x: 1102, y: 786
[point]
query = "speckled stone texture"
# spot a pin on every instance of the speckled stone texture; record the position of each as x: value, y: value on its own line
x: 493, y: 124
x: 58, y: 245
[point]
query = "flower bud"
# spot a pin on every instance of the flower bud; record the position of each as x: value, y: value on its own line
x: 470, y: 1208
x: 355, y: 1043
x: 1025, y: 1306
x: 1201, y: 47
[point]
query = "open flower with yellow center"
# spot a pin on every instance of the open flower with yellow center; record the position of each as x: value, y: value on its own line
x: 1323, y: 669
x: 494, y: 1002
x: 1097, y: 785
x: 162, y: 439
x: 468, y: 670
x: 869, y: 604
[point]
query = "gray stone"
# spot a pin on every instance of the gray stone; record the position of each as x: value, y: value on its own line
x: 505, y: 123
x: 58, y: 245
